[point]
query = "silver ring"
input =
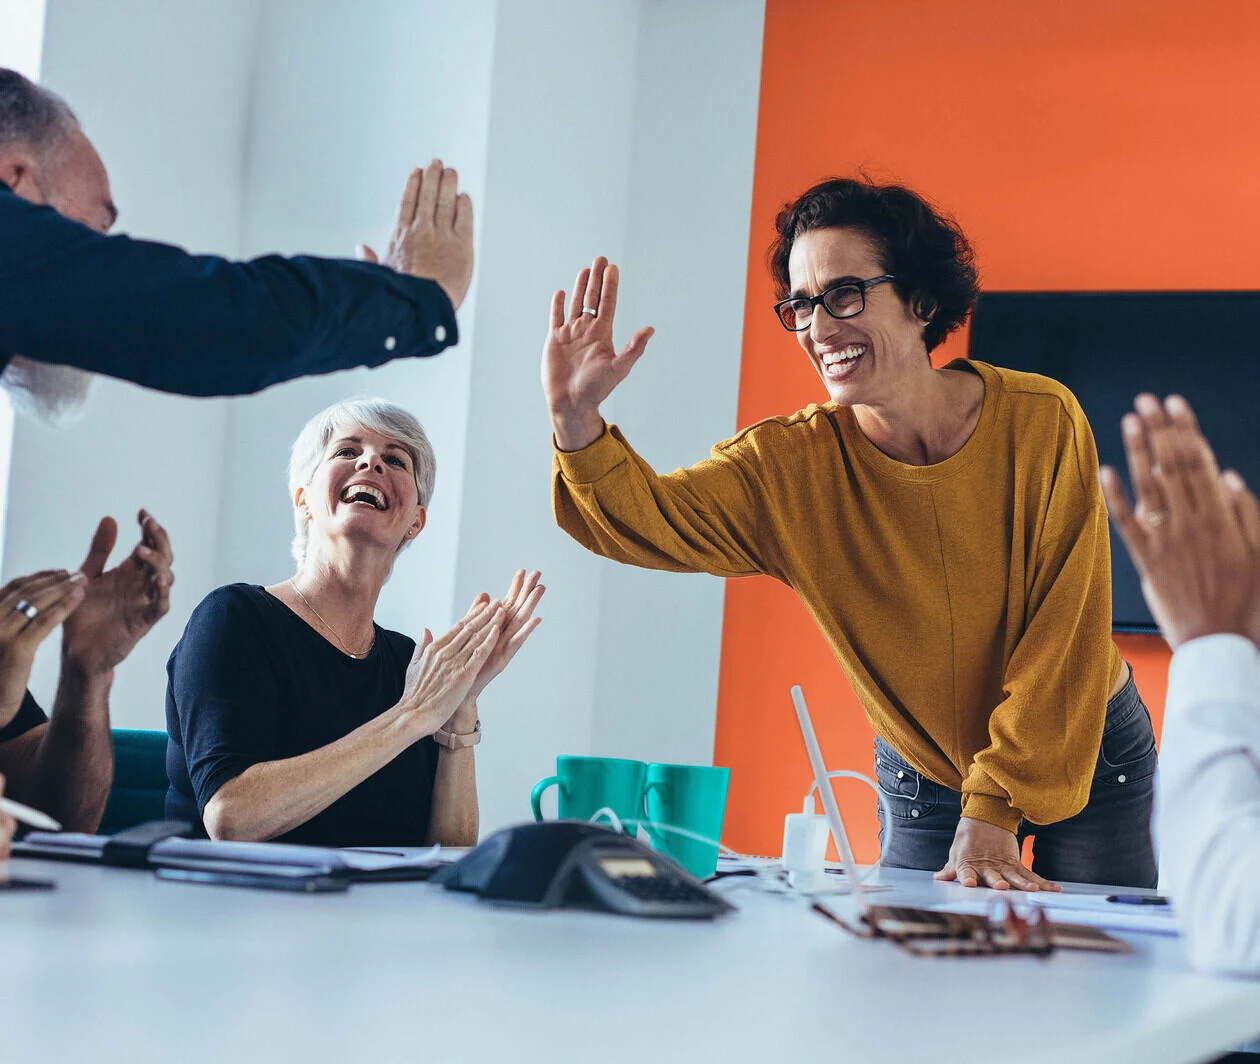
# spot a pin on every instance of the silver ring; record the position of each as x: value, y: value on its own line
x: 25, y: 607
x: 1156, y: 517
x: 590, y: 310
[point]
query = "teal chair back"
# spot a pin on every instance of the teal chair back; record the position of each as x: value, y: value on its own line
x: 139, y: 790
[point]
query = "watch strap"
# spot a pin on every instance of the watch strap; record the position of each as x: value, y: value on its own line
x: 456, y: 741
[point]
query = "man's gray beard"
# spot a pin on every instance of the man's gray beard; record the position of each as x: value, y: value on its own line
x: 50, y: 393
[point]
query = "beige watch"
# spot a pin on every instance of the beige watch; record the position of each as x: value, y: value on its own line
x: 452, y: 741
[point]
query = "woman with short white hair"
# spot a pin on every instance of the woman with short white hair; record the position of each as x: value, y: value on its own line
x: 293, y: 715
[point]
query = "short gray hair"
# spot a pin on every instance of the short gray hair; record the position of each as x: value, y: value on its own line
x: 376, y: 415
x: 30, y: 114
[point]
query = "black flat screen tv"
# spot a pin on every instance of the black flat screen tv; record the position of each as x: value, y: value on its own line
x: 1109, y: 346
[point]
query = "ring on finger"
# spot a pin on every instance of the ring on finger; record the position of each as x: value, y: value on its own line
x: 590, y: 310
x: 1156, y: 517
x: 30, y: 611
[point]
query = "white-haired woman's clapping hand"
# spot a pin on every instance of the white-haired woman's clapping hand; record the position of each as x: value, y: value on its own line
x: 442, y: 671
x: 522, y: 598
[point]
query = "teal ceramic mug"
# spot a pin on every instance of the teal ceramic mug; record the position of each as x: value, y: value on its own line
x: 692, y: 797
x: 588, y: 784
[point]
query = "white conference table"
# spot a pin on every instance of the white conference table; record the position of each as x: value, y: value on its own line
x: 116, y: 965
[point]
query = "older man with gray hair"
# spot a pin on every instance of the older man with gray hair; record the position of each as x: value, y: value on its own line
x: 75, y: 299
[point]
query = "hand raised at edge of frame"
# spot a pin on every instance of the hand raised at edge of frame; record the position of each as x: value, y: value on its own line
x: 1193, y: 535
x: 580, y: 365
x: 7, y: 827
x: 54, y: 594
x: 433, y: 237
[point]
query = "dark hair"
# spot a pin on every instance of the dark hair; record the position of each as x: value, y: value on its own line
x: 932, y: 260
x: 30, y: 114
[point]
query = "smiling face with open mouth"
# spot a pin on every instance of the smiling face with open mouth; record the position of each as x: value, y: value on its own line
x: 861, y: 359
x: 364, y: 487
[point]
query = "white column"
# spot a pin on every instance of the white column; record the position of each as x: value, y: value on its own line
x: 625, y: 129
x: 685, y: 270
x: 557, y: 188
x: 346, y: 100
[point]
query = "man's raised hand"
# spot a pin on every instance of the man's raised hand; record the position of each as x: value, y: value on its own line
x: 433, y: 237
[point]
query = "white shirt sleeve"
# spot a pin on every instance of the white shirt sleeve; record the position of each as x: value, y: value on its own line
x: 1207, y: 810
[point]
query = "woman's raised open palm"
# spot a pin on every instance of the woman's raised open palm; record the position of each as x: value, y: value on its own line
x: 580, y: 366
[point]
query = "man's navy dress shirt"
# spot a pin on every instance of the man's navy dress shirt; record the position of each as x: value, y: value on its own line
x: 198, y: 324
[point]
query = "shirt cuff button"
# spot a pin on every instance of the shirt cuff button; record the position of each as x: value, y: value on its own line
x: 439, y: 334
x: 390, y: 343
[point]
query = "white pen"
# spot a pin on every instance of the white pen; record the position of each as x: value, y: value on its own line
x: 27, y: 815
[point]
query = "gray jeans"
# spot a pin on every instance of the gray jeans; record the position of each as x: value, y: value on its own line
x: 1109, y: 841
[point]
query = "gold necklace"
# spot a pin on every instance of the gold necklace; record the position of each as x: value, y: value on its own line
x: 336, y: 634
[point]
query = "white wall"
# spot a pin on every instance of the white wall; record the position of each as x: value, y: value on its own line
x: 21, y: 48
x: 342, y: 110
x: 161, y: 89
x: 22, y: 35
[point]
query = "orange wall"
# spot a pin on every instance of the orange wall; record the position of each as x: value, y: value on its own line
x: 1082, y: 145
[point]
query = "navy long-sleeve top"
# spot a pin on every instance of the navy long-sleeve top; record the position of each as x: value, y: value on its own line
x: 250, y: 681
x: 160, y: 317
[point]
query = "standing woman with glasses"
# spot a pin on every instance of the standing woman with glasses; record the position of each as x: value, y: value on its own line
x: 944, y: 527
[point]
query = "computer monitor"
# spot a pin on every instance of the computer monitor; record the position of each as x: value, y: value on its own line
x: 1109, y: 346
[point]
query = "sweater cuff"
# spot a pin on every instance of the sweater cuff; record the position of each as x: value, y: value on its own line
x: 991, y: 810
x: 1213, y: 668
x: 593, y: 461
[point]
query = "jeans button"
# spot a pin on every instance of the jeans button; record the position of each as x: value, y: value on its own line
x: 1121, y: 778
x: 914, y: 812
x: 901, y: 775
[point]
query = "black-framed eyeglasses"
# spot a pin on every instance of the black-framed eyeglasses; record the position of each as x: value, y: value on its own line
x: 846, y: 300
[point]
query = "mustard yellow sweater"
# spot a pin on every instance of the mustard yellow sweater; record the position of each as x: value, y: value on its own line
x: 969, y: 601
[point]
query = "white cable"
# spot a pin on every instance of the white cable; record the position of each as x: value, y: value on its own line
x: 768, y: 880
x: 605, y: 811
x: 886, y: 843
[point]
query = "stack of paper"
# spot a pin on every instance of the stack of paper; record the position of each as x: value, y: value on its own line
x: 280, y: 858
x: 1093, y: 910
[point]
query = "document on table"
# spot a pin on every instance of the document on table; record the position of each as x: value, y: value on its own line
x: 731, y: 863
x: 205, y: 853
x: 210, y: 855
x: 73, y: 844
x: 1093, y: 910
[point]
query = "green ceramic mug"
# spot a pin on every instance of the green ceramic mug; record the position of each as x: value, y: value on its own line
x: 691, y: 797
x: 588, y: 784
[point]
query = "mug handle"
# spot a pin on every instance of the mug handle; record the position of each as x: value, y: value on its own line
x: 650, y: 785
x: 535, y: 796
